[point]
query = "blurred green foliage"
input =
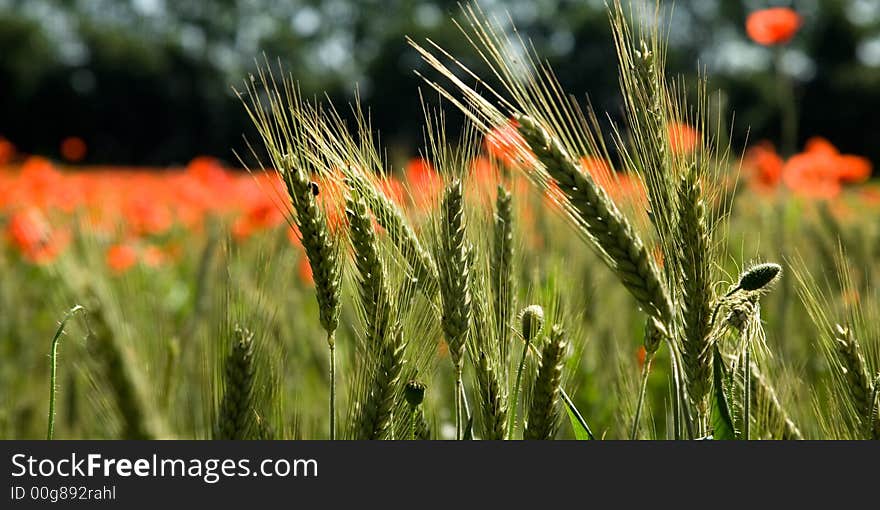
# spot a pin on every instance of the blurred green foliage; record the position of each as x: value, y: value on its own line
x: 150, y: 81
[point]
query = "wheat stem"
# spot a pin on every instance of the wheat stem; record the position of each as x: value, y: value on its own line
x: 747, y: 384
x: 458, y: 406
x: 874, y: 417
x: 516, y: 388
x: 332, y: 345
x: 643, y: 386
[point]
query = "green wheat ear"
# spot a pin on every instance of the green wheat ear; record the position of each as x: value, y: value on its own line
x: 140, y: 420
x: 492, y: 396
x: 501, y: 269
x: 454, y: 260
x: 374, y: 420
x: 855, y: 371
x: 454, y: 270
x: 401, y: 233
x: 374, y: 294
x: 693, y: 261
x: 600, y: 218
x: 318, y: 242
x: 235, y: 417
x: 543, y: 417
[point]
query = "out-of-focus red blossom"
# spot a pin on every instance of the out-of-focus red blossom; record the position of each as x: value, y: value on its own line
x: 820, y: 169
x: 145, y: 215
x: 773, y: 26
x: 763, y: 167
x: 73, y: 149
x: 619, y: 186
x: 39, y: 182
x: 30, y: 232
x: 809, y: 176
x: 484, y: 173
x: 7, y: 151
x: 121, y: 257
x: 424, y: 182
x: 483, y: 180
x: 683, y: 139
x: 842, y: 210
x: 393, y: 189
x: 505, y: 143
x: 601, y: 172
x: 153, y: 256
x: 870, y: 195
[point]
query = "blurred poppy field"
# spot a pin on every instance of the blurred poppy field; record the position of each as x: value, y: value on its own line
x: 170, y: 263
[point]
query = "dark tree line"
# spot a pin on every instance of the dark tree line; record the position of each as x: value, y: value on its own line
x: 149, y: 81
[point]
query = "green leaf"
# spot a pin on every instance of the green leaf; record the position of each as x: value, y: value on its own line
x: 582, y: 431
x: 722, y: 422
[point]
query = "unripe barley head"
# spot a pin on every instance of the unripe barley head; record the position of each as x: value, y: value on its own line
x: 532, y: 320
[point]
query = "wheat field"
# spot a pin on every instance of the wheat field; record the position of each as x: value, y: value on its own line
x: 542, y: 273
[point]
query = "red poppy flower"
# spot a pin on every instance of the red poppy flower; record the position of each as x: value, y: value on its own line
x: 153, y: 256
x: 504, y: 142
x: 121, y: 257
x: 773, y: 26
x: 763, y: 167
x: 30, y: 232
x: 424, y: 182
x: 683, y: 138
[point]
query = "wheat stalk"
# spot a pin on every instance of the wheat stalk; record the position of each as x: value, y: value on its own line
x: 693, y: 253
x: 53, y: 367
x: 455, y: 272
x: 282, y: 123
x: 655, y: 333
x: 531, y: 323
